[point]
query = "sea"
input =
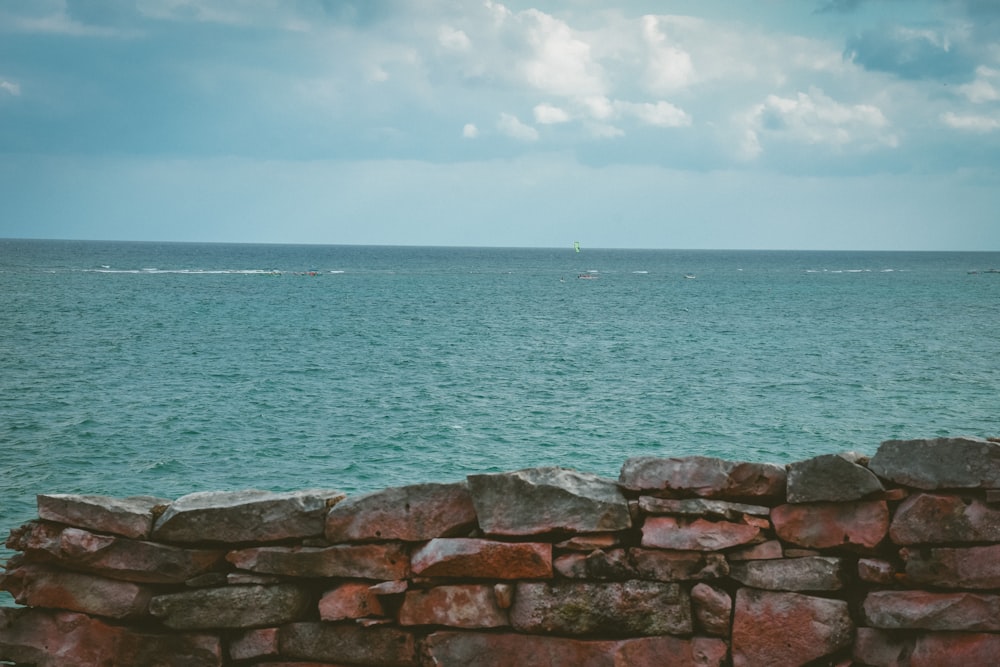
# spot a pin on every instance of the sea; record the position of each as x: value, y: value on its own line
x: 168, y: 368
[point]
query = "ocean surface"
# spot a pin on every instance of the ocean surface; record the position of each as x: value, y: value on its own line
x: 163, y: 369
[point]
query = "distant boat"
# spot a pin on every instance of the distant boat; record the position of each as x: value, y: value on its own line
x: 576, y: 246
x: 588, y: 276
x: 690, y: 276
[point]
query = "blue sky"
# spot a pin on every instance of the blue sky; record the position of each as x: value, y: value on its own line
x: 798, y: 124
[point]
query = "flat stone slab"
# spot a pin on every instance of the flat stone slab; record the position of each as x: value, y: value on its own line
x: 537, y: 501
x: 234, y: 517
x: 922, y: 610
x: 859, y: 525
x: 787, y: 629
x: 479, y: 649
x: 382, y: 562
x: 483, y: 559
x: 128, y: 517
x: 812, y: 573
x: 636, y: 608
x: 881, y: 648
x: 409, y: 513
x: 43, y: 586
x: 352, y: 644
x: 230, y: 607
x: 458, y: 606
x: 667, y: 532
x: 112, y: 556
x: 975, y: 568
x: 701, y: 507
x: 928, y: 518
x: 349, y: 601
x: 831, y: 478
x: 704, y: 476
x: 939, y: 463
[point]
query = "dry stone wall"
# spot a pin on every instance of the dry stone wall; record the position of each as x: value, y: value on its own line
x: 837, y: 560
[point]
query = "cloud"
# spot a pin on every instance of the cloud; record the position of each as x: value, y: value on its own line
x: 470, y: 131
x: 514, y: 128
x: 668, y: 67
x: 10, y: 87
x: 660, y: 114
x: 983, y: 88
x: 452, y: 39
x: 813, y: 118
x: 970, y: 123
x: 546, y: 114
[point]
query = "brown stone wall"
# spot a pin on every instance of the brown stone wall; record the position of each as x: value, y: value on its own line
x: 837, y: 560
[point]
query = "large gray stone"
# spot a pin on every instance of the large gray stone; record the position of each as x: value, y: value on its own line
x: 830, y: 477
x: 128, y: 517
x: 939, y: 463
x: 384, y: 562
x: 234, y: 517
x: 631, y: 608
x: 921, y: 610
x: 546, y: 500
x: 230, y: 607
x: 350, y: 644
x: 704, y: 476
x: 928, y: 518
x: 976, y: 568
x: 812, y: 573
x: 409, y: 513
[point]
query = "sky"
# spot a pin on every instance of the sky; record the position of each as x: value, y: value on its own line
x: 738, y: 124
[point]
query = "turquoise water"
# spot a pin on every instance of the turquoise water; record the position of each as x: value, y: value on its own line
x: 129, y: 368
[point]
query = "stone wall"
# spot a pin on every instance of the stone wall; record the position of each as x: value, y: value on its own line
x: 837, y: 560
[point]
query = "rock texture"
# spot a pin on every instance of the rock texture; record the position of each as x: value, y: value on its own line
x: 683, y: 561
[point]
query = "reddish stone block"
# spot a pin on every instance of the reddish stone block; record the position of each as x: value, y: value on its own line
x: 408, y: 513
x: 667, y: 532
x: 127, y: 517
x: 460, y: 606
x: 763, y: 551
x: 965, y: 568
x: 349, y: 601
x: 921, y: 610
x: 704, y: 476
x: 42, y: 586
x: 933, y: 518
x: 787, y: 629
x: 858, y: 526
x: 713, y: 609
x: 879, y: 648
x: 110, y: 556
x: 483, y: 559
x: 360, y: 561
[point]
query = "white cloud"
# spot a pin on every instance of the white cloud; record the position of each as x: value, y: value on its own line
x: 971, y: 123
x: 10, y: 87
x: 514, y: 128
x: 983, y: 88
x: 452, y: 39
x: 814, y: 118
x: 668, y: 68
x: 470, y: 131
x: 546, y: 114
x: 558, y: 62
x: 604, y: 130
x: 660, y: 114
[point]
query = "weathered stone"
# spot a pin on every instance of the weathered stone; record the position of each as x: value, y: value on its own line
x: 590, y: 542
x: 230, y: 607
x: 876, y: 571
x: 408, y: 513
x: 939, y: 463
x: 460, y: 606
x: 704, y: 476
x: 361, y: 561
x: 626, y: 608
x: 504, y: 594
x: 830, y: 478
x: 879, y: 648
x: 702, y: 507
x: 603, y: 565
x: 662, y: 565
x: 352, y: 644
x: 390, y: 587
x: 545, y: 500
x: 258, y: 643
x: 667, y: 532
x: 111, y: 556
x: 911, y: 610
x: 42, y: 586
x: 475, y: 649
x: 857, y: 526
x: 970, y: 568
x: 349, y: 601
x: 817, y: 573
x: 932, y: 518
x: 763, y: 551
x: 234, y: 517
x: 485, y: 559
x: 779, y: 629
x: 47, y: 638
x: 128, y: 517
x: 713, y: 608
